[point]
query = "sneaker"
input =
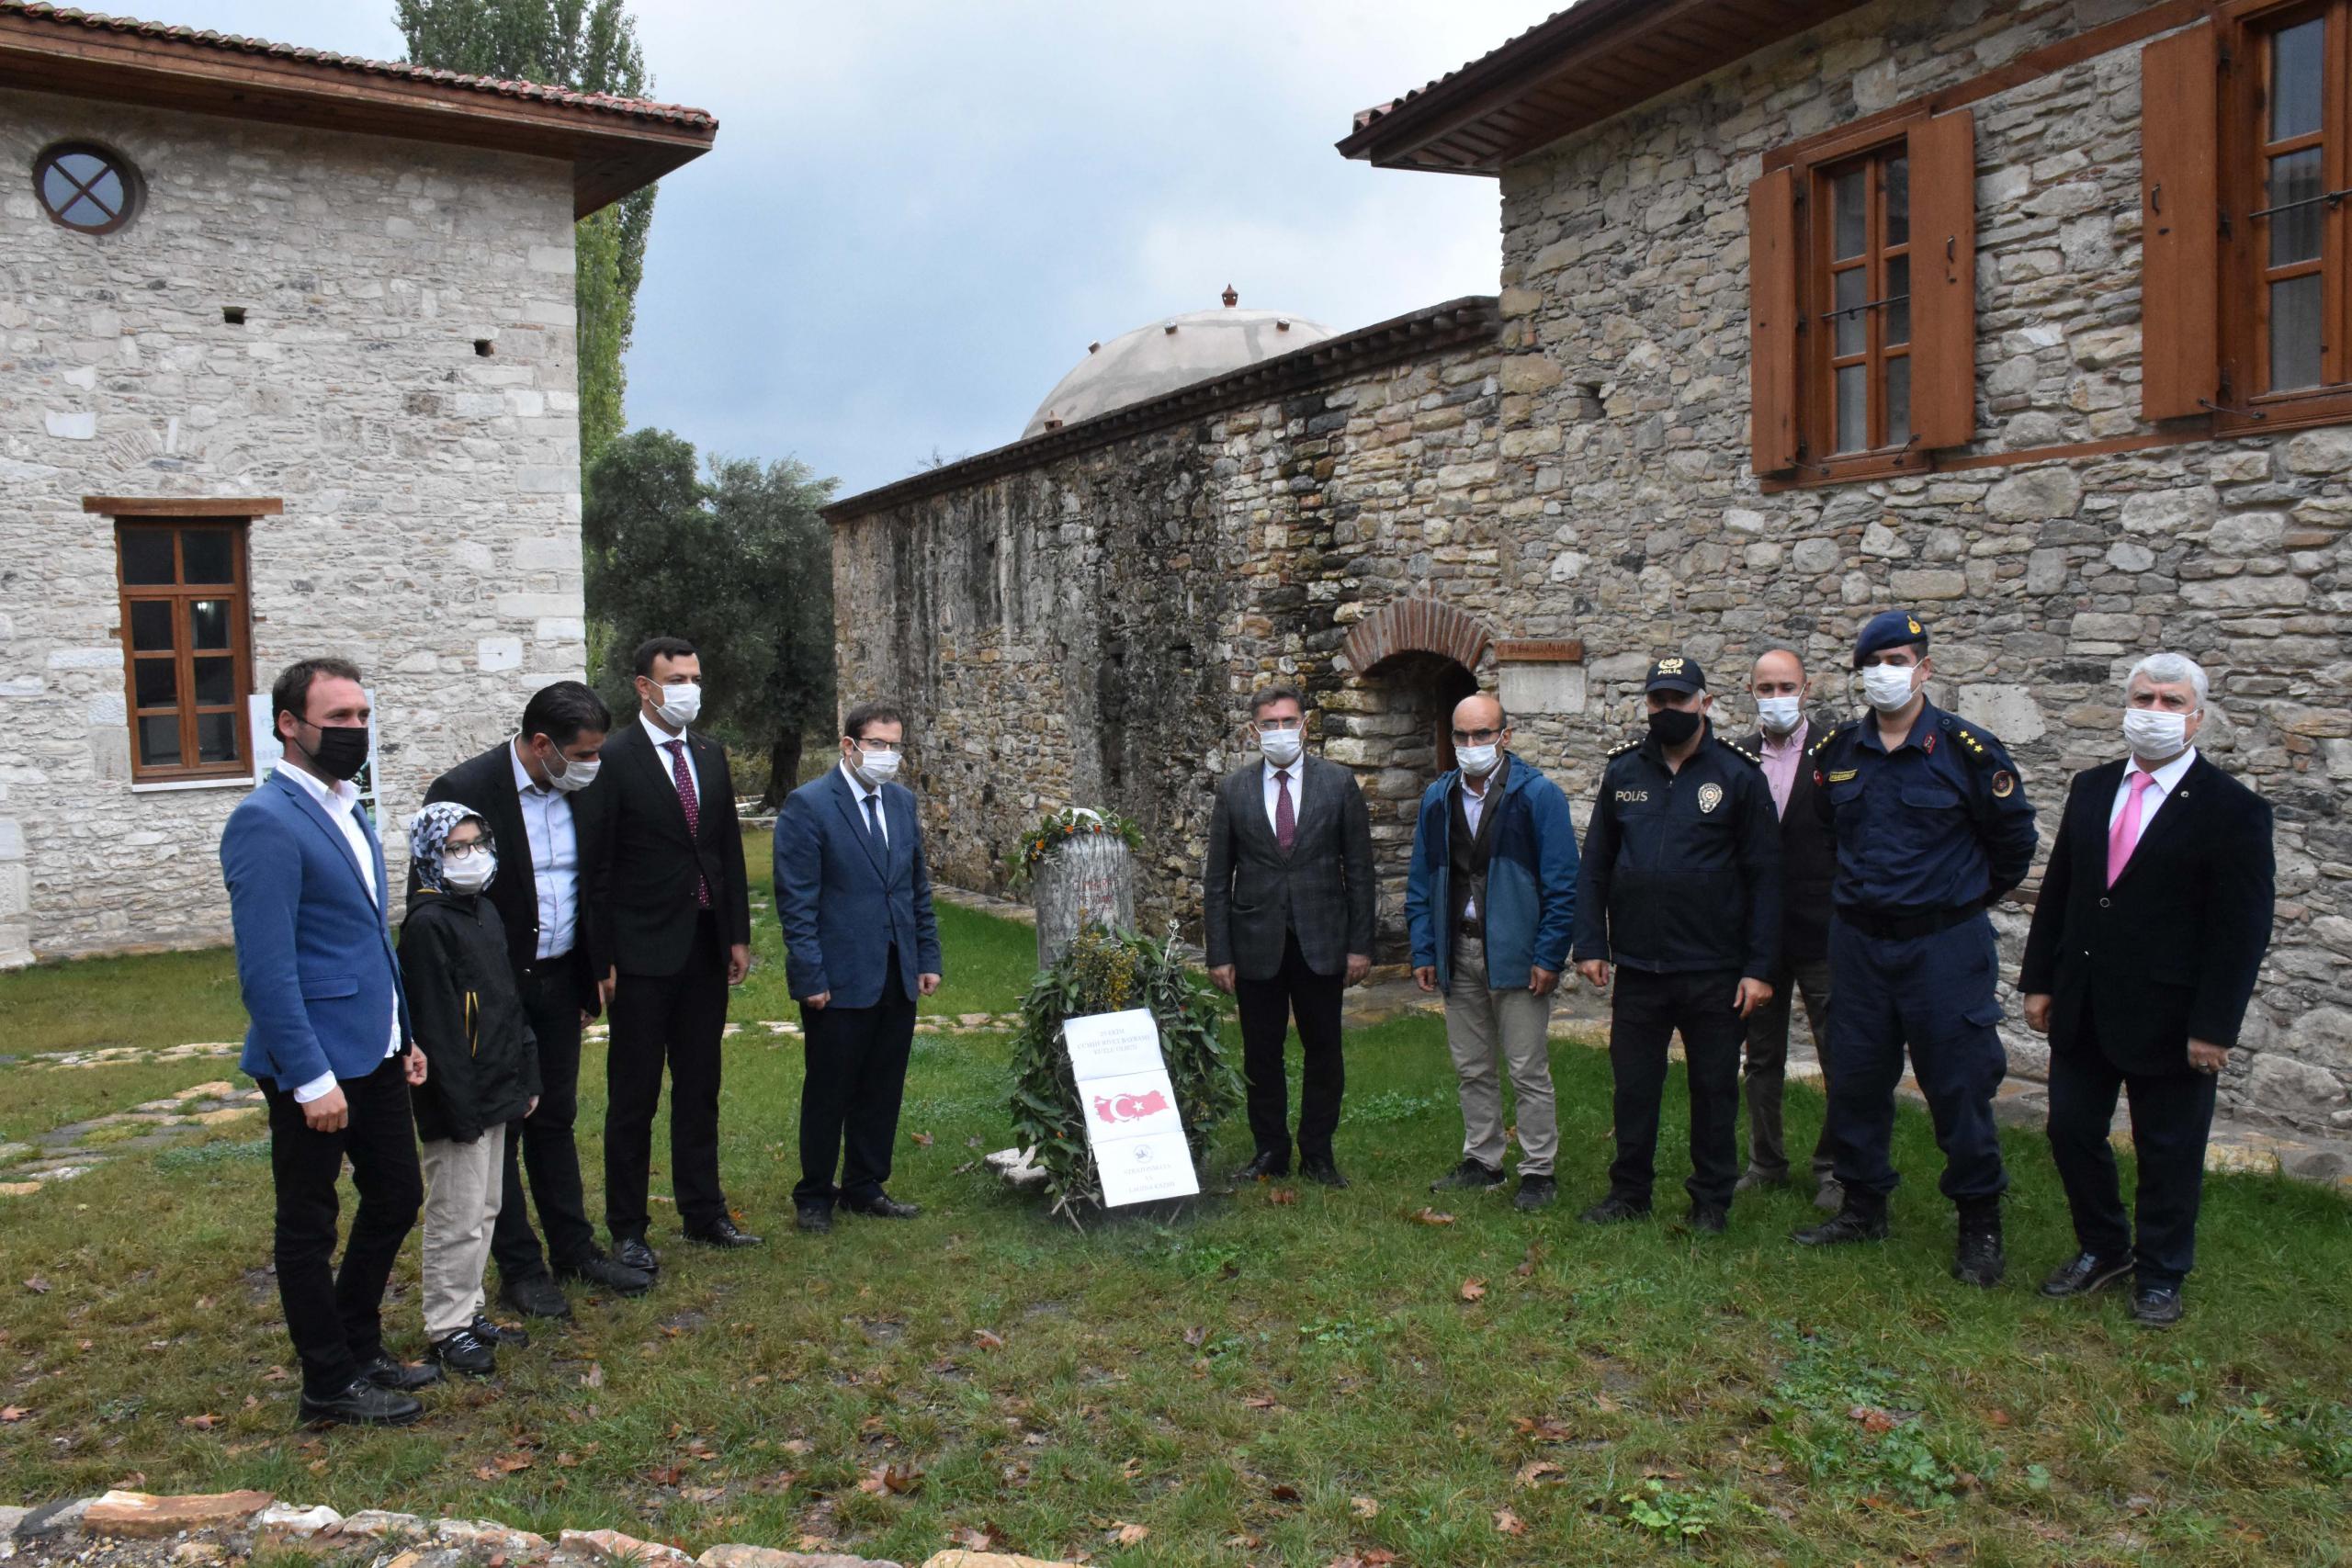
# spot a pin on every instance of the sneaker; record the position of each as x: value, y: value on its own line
x: 2157, y: 1306
x: 1616, y: 1209
x: 2085, y: 1275
x: 463, y: 1352
x: 1977, y: 1259
x: 492, y: 1334
x: 1851, y: 1224
x: 1469, y: 1174
x: 1535, y: 1192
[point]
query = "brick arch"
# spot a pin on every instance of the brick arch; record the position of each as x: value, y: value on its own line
x: 1417, y: 625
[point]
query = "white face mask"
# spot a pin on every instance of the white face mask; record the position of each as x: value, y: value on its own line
x: 2155, y: 734
x: 680, y: 703
x: 878, y: 768
x: 1477, y: 761
x: 1887, y: 687
x: 1779, y: 715
x: 570, y: 774
x: 468, y: 870
x: 1280, y: 746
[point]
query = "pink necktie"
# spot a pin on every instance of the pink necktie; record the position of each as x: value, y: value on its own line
x: 2124, y: 836
x: 1285, y: 822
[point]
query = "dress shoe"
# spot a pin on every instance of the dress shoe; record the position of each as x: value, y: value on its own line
x: 1709, y: 1219
x: 2157, y: 1306
x: 815, y: 1219
x: 1830, y: 1196
x: 490, y: 1332
x: 2086, y: 1274
x: 1976, y: 1255
x: 1534, y: 1192
x: 1616, y: 1209
x: 363, y: 1404
x: 1262, y: 1167
x: 611, y: 1273
x: 723, y: 1231
x: 1470, y: 1176
x: 1851, y: 1224
x: 1325, y: 1170
x: 1751, y: 1179
x: 401, y: 1377
x: 535, y: 1297
x: 882, y: 1206
x: 464, y: 1352
x: 632, y: 1253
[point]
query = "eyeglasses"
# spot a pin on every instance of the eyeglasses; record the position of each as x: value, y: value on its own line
x: 1477, y: 737
x: 869, y: 744
x: 1277, y: 726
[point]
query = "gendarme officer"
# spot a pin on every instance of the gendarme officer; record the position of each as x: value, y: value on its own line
x: 1932, y: 826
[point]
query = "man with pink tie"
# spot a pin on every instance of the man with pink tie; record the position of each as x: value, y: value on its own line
x: 2154, y: 916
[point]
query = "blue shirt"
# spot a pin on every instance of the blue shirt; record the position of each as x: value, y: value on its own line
x: 1941, y: 822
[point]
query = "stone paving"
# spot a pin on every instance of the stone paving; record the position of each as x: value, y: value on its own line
x: 79, y: 1147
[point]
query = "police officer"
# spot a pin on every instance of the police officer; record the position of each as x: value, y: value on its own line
x: 1932, y: 827
x: 1681, y: 888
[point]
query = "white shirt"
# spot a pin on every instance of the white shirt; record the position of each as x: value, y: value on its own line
x: 1473, y: 806
x: 341, y: 800
x: 880, y: 814
x: 2167, y: 779
x: 555, y: 858
x: 1297, y: 772
x: 662, y: 740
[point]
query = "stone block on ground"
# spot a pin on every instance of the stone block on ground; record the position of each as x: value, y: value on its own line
x: 733, y: 1556
x: 282, y: 1524
x: 958, y: 1557
x: 143, y: 1515
x: 621, y: 1550
x: 1014, y: 1167
x: 376, y: 1524
x: 9, y: 1520
x: 491, y: 1535
x: 54, y: 1518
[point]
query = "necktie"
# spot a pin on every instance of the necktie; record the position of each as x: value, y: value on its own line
x: 685, y: 779
x: 874, y: 818
x: 1285, y: 816
x: 2124, y: 836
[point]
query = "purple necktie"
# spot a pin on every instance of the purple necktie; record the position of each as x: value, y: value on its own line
x: 685, y: 775
x: 1285, y: 818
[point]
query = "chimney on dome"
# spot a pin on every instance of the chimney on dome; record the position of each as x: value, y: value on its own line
x: 1231, y: 299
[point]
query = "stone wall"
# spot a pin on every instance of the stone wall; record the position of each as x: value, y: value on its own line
x: 430, y: 528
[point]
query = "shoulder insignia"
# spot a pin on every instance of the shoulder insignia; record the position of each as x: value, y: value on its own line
x: 1971, y: 744
x: 1620, y: 750
x: 1831, y: 739
x: 1734, y: 746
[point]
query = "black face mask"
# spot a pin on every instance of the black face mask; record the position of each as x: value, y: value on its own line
x: 1673, y: 726
x: 342, y: 750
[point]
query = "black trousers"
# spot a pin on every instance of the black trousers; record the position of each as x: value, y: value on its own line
x: 542, y: 1141
x: 849, y: 1102
x: 1650, y: 1008
x: 2171, y: 1114
x: 1266, y: 1009
x: 676, y: 1020
x: 336, y: 1316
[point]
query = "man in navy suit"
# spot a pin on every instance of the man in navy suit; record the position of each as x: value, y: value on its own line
x: 2147, y: 940
x: 855, y: 899
x: 328, y: 1041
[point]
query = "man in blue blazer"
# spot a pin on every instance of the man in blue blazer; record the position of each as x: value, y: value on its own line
x: 328, y: 1041
x: 860, y: 943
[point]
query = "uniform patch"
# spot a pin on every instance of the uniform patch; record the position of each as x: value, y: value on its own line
x: 1632, y: 796
x: 1710, y: 796
x: 2005, y: 784
x: 1842, y: 774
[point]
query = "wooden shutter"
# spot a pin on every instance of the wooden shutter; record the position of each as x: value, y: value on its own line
x: 2180, y: 247
x: 1943, y: 279
x: 1772, y: 322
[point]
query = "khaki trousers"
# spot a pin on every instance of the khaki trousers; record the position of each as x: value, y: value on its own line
x: 1489, y: 1031
x: 462, y: 1186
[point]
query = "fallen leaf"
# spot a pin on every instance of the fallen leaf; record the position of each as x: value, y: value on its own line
x: 509, y: 1463
x: 1285, y: 1491
x: 1535, y: 1472
x: 567, y: 1461
x: 796, y: 1446
x: 36, y: 1285
x: 1607, y: 1403
x: 922, y: 1139
x: 1996, y: 1417
x: 1132, y: 1469
x: 1474, y: 1288
x: 12, y: 1414
x: 892, y: 1479
x: 1365, y: 1507
x: 1526, y: 1269
x: 1378, y: 1557
x: 702, y: 1494
x: 1874, y: 1420
x: 1131, y: 1535
x: 1508, y: 1522
x: 987, y: 1339
x: 664, y: 1474
x: 1283, y: 1196
x: 1195, y: 1336
x: 594, y: 1377
x: 1260, y: 1402
x: 1428, y: 1216
x: 204, y: 1422
x: 985, y: 1538
x: 1545, y: 1430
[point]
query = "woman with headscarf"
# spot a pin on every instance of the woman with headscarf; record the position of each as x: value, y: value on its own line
x: 469, y: 1020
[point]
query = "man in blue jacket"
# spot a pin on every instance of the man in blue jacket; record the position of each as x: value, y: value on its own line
x: 854, y: 896
x: 1490, y: 904
x: 328, y: 1041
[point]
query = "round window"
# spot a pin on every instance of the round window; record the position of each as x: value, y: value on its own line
x: 87, y: 188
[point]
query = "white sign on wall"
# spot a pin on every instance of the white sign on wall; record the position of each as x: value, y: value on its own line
x: 1132, y: 1123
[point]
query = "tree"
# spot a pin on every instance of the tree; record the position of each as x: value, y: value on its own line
x: 589, y: 46
x: 732, y: 555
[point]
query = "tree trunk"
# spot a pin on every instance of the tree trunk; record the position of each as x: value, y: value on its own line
x: 784, y: 771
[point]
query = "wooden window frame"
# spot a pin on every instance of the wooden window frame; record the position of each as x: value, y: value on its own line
x: 181, y: 594
x: 1817, y: 288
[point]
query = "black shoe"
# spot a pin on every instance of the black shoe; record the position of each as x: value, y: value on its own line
x: 814, y: 1218
x: 611, y: 1273
x: 632, y: 1253
x: 1616, y: 1209
x: 464, y: 1352
x: 401, y: 1377
x: 1469, y: 1175
x: 1711, y: 1219
x: 535, y: 1297
x: 1263, y: 1167
x: 2086, y: 1274
x: 1976, y: 1257
x: 1535, y: 1192
x: 882, y: 1206
x: 1752, y: 1178
x: 490, y: 1332
x: 1325, y: 1170
x: 364, y: 1403
x: 1850, y: 1224
x: 2157, y: 1306
x: 723, y: 1233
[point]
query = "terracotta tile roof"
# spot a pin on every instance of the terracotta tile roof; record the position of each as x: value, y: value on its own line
x: 1378, y: 112
x: 634, y: 108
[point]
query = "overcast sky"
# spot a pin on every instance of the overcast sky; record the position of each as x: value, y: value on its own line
x: 918, y: 216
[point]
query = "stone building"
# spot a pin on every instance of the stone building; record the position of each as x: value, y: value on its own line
x: 286, y: 367
x: 1806, y: 309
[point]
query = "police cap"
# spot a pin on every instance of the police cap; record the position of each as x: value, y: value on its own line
x: 1890, y: 629
x: 1676, y: 674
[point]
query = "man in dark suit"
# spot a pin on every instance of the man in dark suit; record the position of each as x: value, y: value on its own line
x: 672, y: 921
x: 1288, y: 904
x: 2149, y: 934
x: 1808, y: 867
x: 329, y: 1043
x: 854, y: 896
x: 533, y: 791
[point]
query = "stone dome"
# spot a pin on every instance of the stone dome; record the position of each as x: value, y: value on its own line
x: 1199, y: 345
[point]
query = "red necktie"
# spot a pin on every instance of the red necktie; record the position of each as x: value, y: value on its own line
x: 685, y: 775
x: 1285, y: 818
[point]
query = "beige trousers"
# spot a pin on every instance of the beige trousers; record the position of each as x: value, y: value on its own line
x: 461, y: 1193
x: 1489, y: 1031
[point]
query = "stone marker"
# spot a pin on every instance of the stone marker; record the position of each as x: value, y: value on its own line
x: 731, y: 1556
x: 622, y: 1551
x: 143, y: 1515
x: 1088, y: 879
x: 282, y: 1524
x: 962, y: 1559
